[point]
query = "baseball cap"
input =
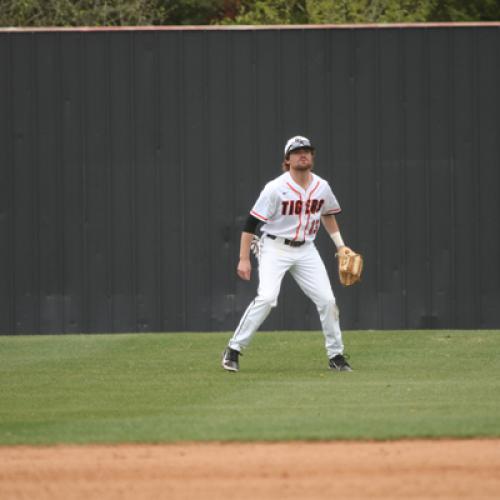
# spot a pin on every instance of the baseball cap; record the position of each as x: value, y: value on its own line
x: 297, y: 142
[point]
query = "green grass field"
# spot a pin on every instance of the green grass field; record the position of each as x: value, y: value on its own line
x: 170, y: 387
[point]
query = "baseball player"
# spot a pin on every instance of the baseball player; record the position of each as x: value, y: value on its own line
x: 290, y: 209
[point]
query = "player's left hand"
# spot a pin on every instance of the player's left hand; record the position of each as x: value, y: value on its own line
x: 350, y: 266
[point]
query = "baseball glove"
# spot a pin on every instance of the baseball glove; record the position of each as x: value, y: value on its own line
x: 350, y: 266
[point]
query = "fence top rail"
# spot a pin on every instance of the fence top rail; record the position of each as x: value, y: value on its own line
x: 252, y: 27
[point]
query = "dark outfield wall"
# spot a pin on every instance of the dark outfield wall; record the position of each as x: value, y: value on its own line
x: 129, y: 160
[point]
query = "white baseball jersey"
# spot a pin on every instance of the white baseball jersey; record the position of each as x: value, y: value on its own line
x: 293, y: 212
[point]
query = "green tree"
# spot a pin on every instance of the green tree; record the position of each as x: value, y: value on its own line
x: 368, y: 11
x: 80, y: 12
x: 115, y: 12
x: 184, y: 12
x: 199, y: 12
x: 363, y: 11
x: 466, y: 10
x: 271, y: 12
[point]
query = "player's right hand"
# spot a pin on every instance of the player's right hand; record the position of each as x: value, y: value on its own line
x: 244, y: 269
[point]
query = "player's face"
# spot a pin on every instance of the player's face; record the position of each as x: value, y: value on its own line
x: 301, y: 159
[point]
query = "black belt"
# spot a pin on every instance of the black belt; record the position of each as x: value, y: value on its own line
x: 290, y: 243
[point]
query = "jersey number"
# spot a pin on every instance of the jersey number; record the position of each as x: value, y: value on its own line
x: 314, y: 227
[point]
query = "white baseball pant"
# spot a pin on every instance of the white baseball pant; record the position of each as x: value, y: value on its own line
x: 308, y: 270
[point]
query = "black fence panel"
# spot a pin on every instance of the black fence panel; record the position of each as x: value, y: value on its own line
x: 129, y: 160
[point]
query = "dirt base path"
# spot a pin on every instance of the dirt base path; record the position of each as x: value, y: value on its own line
x: 442, y: 469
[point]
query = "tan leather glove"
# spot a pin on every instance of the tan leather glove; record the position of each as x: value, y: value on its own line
x: 350, y: 266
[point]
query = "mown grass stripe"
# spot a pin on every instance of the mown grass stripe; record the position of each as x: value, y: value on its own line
x: 170, y: 387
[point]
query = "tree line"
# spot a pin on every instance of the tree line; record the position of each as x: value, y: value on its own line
x: 35, y: 13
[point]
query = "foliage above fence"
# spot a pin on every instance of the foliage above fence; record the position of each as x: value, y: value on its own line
x: 201, y: 12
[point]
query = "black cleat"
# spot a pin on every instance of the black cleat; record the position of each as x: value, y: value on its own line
x: 340, y: 364
x: 230, y: 360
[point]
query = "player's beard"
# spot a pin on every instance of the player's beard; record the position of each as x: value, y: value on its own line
x: 302, y: 167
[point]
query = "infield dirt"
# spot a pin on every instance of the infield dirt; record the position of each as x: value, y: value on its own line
x: 444, y: 469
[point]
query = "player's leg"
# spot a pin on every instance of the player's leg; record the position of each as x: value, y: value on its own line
x: 310, y: 274
x: 273, y: 265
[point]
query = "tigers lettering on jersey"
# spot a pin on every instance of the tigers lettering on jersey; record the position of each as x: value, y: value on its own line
x: 294, y: 207
x: 291, y: 211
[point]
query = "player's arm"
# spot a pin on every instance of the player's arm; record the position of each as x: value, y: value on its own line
x: 332, y: 228
x: 244, y: 265
x: 330, y: 224
x: 244, y: 268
